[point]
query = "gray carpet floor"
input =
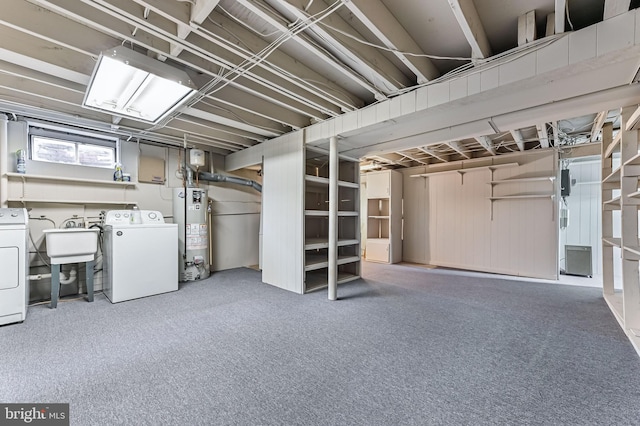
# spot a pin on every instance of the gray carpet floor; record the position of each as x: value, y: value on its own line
x: 403, y: 346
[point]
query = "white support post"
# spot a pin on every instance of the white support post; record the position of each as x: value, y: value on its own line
x: 607, y: 215
x: 333, y: 218
x: 4, y: 160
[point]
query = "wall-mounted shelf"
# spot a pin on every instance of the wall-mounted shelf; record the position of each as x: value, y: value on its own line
x: 26, y: 176
x: 38, y: 200
x: 470, y: 169
x: 521, y: 180
x: 516, y: 197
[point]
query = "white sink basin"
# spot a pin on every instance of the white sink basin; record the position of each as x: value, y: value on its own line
x: 71, y: 245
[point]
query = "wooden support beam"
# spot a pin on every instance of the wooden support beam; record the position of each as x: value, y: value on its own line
x: 469, y: 21
x: 560, y: 11
x: 543, y: 137
x: 486, y: 143
x: 434, y: 154
x: 381, y: 22
x: 200, y: 10
x: 615, y: 7
x: 556, y: 133
x: 412, y: 158
x: 526, y: 27
x: 550, y: 29
x: 518, y: 139
x: 457, y: 147
x: 597, y: 125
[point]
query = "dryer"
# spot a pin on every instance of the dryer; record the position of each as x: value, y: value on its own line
x: 14, y: 264
x: 140, y: 255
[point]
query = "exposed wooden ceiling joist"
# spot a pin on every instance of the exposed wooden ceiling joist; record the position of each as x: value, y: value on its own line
x: 390, y: 32
x: 518, y: 139
x: 486, y: 143
x: 367, y: 60
x: 469, y: 21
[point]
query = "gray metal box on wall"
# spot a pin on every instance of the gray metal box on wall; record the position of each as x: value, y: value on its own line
x: 578, y: 260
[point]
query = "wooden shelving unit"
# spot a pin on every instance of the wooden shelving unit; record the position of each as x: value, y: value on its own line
x: 316, y: 220
x: 297, y: 248
x: 624, y: 304
x: 384, y: 216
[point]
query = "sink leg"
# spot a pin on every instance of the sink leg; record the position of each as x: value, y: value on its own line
x: 89, y: 277
x: 55, y: 285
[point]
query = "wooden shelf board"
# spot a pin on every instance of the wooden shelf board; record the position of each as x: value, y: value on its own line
x: 633, y: 250
x: 26, y: 176
x: 325, y: 213
x: 325, y: 181
x: 470, y: 169
x: 319, y: 243
x: 315, y: 283
x: 614, y: 143
x: 519, y: 180
x: 378, y: 217
x: 37, y: 200
x: 316, y: 213
x: 615, y: 242
x: 316, y: 261
x: 633, y: 161
x: 613, y: 177
x: 612, y: 204
x: 513, y: 197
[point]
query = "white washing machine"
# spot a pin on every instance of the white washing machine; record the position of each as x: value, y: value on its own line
x: 14, y: 265
x: 140, y: 255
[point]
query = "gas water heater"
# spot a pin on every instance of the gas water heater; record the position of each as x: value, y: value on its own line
x: 190, y: 213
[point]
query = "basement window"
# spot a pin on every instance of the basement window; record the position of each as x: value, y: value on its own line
x: 69, y: 146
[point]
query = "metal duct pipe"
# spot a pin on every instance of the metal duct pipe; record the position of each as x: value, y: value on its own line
x: 216, y: 177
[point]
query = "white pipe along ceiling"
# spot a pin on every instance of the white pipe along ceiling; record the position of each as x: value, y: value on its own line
x: 400, y: 83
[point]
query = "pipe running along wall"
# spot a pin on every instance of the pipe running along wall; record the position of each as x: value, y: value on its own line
x: 216, y: 177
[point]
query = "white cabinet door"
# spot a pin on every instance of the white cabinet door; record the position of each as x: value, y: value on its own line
x: 378, y: 184
x: 378, y: 250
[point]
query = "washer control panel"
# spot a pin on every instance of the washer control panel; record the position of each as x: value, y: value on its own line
x: 13, y: 217
x: 133, y: 217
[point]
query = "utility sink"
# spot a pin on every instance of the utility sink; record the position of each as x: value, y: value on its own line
x: 71, y: 245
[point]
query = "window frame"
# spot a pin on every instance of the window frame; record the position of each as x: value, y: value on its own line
x: 74, y: 136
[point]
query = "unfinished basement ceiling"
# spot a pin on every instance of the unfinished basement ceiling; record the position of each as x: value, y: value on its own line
x: 272, y: 66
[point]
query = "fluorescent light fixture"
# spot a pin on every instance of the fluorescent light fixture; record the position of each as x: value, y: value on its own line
x: 131, y: 85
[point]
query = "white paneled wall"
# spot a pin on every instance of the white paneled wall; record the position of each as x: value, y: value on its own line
x: 465, y: 229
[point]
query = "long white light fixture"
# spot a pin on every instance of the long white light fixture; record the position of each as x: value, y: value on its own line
x: 129, y: 84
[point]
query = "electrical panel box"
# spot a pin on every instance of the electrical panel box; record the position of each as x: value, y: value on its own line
x: 151, y: 170
x: 565, y: 183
